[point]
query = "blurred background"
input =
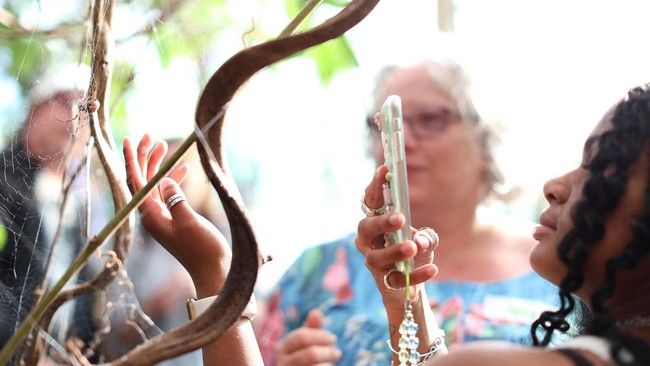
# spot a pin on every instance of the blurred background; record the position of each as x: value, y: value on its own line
x: 546, y: 70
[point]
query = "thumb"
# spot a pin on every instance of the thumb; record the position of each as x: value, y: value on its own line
x: 314, y: 319
x: 174, y: 198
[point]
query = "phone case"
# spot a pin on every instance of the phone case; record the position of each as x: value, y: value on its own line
x: 396, y: 196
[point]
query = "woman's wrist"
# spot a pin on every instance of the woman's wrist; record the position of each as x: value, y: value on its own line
x: 208, y: 283
x: 394, y: 301
x: 430, y: 336
x: 429, y: 332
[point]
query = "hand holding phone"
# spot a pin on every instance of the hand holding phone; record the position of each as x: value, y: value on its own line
x: 396, y: 197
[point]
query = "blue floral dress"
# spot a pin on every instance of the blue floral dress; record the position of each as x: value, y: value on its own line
x: 333, y: 277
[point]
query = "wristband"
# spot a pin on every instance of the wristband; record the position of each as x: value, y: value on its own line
x: 197, y: 307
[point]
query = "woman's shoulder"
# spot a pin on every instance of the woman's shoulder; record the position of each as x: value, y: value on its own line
x: 500, y: 353
x: 593, y: 348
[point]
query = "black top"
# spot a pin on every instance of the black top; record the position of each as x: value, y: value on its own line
x: 22, y: 253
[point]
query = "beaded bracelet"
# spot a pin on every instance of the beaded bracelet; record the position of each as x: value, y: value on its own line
x: 420, y: 359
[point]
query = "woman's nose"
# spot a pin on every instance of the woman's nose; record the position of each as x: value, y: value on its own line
x: 556, y: 190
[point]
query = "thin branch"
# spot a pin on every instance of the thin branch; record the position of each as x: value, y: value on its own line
x: 239, y: 283
x: 59, y: 229
x: 36, y: 347
x: 111, y: 268
x: 302, y: 15
x: 92, y: 244
x: 102, y: 68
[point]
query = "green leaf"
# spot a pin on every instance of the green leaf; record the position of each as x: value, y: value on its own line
x: 191, y: 32
x: 331, y: 57
x: 3, y: 236
x: 293, y: 7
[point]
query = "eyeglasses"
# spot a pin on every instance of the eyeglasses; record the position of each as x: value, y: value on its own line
x: 426, y: 124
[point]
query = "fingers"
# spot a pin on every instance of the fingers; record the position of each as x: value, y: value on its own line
x: 180, y: 173
x: 314, y: 319
x: 135, y: 181
x: 305, y: 337
x: 426, y: 238
x: 155, y: 159
x: 144, y: 163
x: 418, y: 275
x: 380, y: 260
x: 308, y: 346
x: 370, y: 232
x: 171, y: 219
x: 374, y: 193
x: 143, y: 154
x: 179, y: 209
x: 375, y: 226
x: 133, y: 178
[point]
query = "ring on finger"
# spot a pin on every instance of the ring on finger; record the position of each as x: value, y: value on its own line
x: 370, y: 211
x: 173, y: 200
x: 388, y: 286
x: 431, y: 236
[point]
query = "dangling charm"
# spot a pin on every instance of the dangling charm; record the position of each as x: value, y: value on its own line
x: 408, y: 341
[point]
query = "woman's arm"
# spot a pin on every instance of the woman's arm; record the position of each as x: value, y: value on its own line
x: 193, y: 241
x: 381, y: 261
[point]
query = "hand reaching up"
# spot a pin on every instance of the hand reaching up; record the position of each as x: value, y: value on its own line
x: 190, y: 238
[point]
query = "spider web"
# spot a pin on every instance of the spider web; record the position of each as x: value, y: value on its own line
x: 55, y: 195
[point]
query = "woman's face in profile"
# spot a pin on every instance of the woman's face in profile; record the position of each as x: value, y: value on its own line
x: 563, y: 193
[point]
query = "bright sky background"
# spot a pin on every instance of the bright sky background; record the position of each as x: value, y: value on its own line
x: 547, y: 69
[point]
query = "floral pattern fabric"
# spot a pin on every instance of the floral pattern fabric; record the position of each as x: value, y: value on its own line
x: 333, y: 277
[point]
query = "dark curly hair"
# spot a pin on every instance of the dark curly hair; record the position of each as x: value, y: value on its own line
x: 609, y: 169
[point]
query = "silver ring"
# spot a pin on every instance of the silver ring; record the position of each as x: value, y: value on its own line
x: 370, y: 211
x: 173, y: 200
x: 431, y: 235
x: 388, y: 286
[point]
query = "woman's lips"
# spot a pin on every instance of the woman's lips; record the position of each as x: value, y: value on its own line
x: 547, y: 226
x: 541, y: 231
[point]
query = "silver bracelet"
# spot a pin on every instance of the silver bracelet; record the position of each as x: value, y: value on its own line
x: 438, y: 343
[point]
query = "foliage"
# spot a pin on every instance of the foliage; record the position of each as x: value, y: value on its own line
x: 330, y: 57
x: 177, y: 28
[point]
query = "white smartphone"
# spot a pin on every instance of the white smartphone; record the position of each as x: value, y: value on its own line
x: 396, y: 196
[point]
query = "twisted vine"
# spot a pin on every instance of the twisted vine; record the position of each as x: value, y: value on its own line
x: 209, y: 117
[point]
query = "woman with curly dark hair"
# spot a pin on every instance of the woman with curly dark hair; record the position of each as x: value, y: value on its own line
x: 593, y: 242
